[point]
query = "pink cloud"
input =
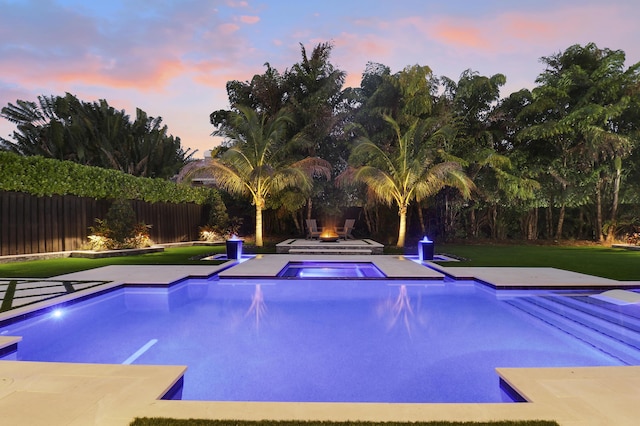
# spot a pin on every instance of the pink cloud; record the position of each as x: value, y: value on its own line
x: 143, y: 54
x: 526, y: 28
x: 460, y: 35
x: 237, y: 4
x: 245, y: 19
x: 228, y: 28
x: 510, y: 31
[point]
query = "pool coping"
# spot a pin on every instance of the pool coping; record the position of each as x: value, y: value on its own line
x: 115, y: 394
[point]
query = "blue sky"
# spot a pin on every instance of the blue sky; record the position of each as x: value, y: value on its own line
x: 172, y: 58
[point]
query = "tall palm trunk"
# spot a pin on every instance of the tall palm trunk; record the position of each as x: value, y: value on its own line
x: 402, y: 231
x: 258, y: 225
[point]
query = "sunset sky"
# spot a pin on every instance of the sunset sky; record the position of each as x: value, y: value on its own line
x: 172, y: 58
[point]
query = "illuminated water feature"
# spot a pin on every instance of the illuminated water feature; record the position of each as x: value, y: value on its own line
x: 320, y: 340
x: 324, y: 270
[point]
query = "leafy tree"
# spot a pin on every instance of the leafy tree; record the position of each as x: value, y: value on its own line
x: 413, y: 170
x: 313, y: 94
x: 506, y: 122
x: 95, y: 134
x: 404, y: 97
x: 470, y: 105
x: 577, y: 107
x: 45, y: 128
x: 254, y: 165
x: 310, y: 92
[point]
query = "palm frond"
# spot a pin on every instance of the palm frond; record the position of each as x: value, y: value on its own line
x: 380, y: 183
x: 314, y: 167
x: 228, y: 178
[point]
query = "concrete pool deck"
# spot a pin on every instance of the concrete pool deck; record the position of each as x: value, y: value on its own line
x: 34, y: 393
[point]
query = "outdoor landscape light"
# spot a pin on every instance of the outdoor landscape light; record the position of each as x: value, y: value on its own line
x: 234, y: 247
x: 425, y: 249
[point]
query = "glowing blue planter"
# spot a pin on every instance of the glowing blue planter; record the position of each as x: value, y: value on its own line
x: 234, y: 248
x: 425, y: 249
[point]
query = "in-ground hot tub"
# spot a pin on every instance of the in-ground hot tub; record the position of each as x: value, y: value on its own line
x: 309, y: 269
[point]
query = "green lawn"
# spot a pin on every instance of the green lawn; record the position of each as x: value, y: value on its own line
x: 600, y: 261
x: 607, y: 262
x: 53, y: 267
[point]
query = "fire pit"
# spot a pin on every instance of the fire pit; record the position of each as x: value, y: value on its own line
x: 328, y: 237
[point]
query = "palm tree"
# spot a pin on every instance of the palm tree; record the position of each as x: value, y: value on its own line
x: 408, y: 172
x: 253, y: 165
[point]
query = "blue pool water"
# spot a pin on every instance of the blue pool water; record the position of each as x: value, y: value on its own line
x: 324, y: 270
x: 298, y: 340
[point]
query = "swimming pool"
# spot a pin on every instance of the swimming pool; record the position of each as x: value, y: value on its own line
x: 318, y: 340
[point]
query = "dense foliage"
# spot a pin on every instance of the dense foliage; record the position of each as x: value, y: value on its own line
x: 43, y: 176
x: 119, y: 229
x: 559, y: 161
x: 309, y: 95
x: 93, y: 134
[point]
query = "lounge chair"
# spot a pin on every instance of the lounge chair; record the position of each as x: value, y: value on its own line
x: 345, y: 231
x: 312, y: 229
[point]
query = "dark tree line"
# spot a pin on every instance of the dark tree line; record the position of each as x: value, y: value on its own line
x: 406, y: 150
x: 559, y: 161
x: 93, y: 134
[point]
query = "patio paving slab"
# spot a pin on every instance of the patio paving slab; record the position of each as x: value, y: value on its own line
x: 145, y: 274
x: 39, y: 393
x: 508, y: 277
x: 269, y: 265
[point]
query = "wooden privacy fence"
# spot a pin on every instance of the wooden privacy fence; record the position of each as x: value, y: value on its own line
x: 30, y: 224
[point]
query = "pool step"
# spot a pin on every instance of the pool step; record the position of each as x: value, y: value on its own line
x: 608, y: 336
x: 607, y: 321
x: 624, y: 316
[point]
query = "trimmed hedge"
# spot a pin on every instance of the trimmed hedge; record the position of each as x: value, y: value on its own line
x: 41, y: 176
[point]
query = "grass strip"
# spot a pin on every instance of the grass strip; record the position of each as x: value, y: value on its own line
x: 8, y: 296
x: 602, y: 261
x: 54, y: 267
x: 146, y: 421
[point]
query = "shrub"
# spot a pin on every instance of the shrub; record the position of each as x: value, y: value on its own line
x: 119, y: 230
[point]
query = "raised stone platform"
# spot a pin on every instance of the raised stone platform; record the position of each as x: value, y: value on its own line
x: 300, y: 246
